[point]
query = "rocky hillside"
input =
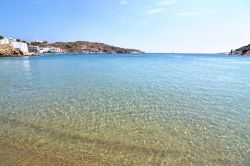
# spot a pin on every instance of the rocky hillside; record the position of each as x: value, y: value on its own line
x: 243, y: 51
x: 89, y: 47
x: 8, y: 51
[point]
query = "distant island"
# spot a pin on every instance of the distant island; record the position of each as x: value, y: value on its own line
x: 11, y: 47
x: 243, y: 51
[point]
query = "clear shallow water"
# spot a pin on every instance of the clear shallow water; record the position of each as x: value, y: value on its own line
x: 152, y: 109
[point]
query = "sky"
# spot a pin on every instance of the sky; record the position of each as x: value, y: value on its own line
x: 190, y: 26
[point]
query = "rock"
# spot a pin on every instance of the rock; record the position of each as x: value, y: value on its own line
x: 248, y: 52
x: 243, y: 51
x: 8, y: 51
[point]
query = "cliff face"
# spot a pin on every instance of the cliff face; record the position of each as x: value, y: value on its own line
x: 8, y: 51
x: 91, y: 47
x: 243, y: 51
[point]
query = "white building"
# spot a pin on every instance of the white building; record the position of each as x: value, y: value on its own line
x: 18, y: 45
x: 7, y: 40
x: 39, y: 41
x: 4, y: 41
x: 34, y: 49
x: 37, y: 49
x: 49, y: 49
x: 21, y: 46
x: 44, y: 49
x: 53, y: 49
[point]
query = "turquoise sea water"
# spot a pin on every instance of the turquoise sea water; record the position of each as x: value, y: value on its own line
x: 151, y: 109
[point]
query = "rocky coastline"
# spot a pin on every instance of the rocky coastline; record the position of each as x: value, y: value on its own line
x: 8, y: 51
x: 243, y: 51
x: 78, y: 47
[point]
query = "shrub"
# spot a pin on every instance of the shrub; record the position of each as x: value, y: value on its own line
x: 68, y: 46
x: 35, y: 43
x: 48, y: 52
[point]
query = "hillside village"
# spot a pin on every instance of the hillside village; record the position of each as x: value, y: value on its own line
x: 24, y: 47
x: 11, y: 47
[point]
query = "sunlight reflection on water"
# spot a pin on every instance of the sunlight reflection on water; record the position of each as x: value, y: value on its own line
x: 127, y: 110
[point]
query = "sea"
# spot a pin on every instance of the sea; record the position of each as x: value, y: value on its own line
x: 131, y: 109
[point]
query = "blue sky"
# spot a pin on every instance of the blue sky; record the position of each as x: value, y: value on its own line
x: 151, y: 25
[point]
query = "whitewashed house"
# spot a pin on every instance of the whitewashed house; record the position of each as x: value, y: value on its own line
x: 39, y: 41
x: 21, y: 46
x: 7, y: 40
x: 18, y: 45
x: 37, y: 49
x: 53, y: 49
x: 4, y: 41
x: 34, y: 49
x: 49, y: 49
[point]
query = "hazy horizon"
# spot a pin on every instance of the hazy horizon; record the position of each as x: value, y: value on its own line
x: 162, y: 26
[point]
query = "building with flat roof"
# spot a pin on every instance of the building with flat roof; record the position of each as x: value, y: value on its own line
x: 13, y: 42
x: 21, y: 46
x: 49, y: 49
x: 7, y: 40
x: 34, y: 49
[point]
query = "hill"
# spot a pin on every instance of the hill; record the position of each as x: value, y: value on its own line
x: 89, y: 47
x: 243, y: 51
